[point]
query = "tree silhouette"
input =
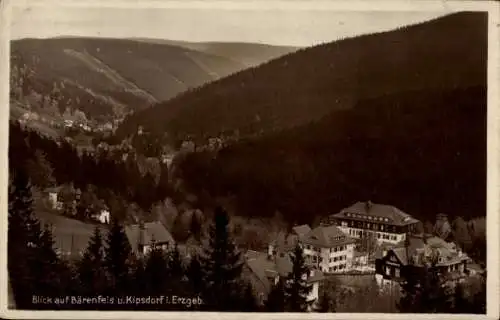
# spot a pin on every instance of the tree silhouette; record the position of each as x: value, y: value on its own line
x: 23, y: 236
x: 222, y: 266
x: 91, y: 271
x: 194, y: 273
x: 156, y: 271
x: 296, y: 287
x: 117, y: 258
x: 276, y: 299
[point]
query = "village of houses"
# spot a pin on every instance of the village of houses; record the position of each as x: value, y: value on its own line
x: 331, y: 249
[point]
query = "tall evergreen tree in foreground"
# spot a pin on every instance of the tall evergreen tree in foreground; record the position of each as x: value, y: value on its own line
x: 296, y: 288
x: 34, y: 267
x: 91, y: 273
x: 194, y: 273
x: 23, y: 236
x: 325, y: 303
x: 156, y: 271
x: 424, y: 289
x: 276, y: 299
x: 222, y: 266
x: 176, y: 272
x: 51, y: 275
x: 117, y: 258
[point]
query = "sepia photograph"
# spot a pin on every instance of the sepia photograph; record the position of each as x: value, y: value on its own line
x: 237, y: 157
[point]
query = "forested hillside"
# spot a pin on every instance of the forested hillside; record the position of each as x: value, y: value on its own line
x: 308, y: 84
x: 109, y: 77
x: 422, y: 151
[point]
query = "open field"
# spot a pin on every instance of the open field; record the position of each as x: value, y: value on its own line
x: 71, y: 236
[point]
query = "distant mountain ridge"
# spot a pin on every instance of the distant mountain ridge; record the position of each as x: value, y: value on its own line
x: 308, y: 84
x: 250, y: 54
x: 102, y: 76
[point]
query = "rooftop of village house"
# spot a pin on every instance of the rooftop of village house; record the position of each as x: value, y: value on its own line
x: 321, y: 236
x: 374, y: 212
x: 422, y: 246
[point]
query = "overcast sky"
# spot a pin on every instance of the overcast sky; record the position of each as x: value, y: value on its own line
x: 279, y: 27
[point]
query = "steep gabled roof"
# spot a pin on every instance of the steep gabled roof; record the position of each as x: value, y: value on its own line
x: 374, y: 212
x: 447, y: 251
x: 326, y: 237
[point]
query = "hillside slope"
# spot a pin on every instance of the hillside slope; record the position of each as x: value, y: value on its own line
x: 422, y: 151
x: 111, y: 76
x: 310, y: 83
x: 249, y: 54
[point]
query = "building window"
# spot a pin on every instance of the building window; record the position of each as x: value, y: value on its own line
x: 387, y: 270
x: 397, y: 272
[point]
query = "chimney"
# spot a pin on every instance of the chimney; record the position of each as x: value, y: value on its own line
x: 368, y: 206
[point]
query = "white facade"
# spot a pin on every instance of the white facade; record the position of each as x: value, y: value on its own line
x: 102, y: 217
x: 334, y: 259
x: 54, y: 202
x: 382, y: 236
x: 314, y: 295
x: 147, y: 248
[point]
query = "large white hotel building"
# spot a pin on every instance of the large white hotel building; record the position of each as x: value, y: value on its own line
x: 387, y: 223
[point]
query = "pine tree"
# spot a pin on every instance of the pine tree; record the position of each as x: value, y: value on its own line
x: 40, y: 170
x: 460, y: 302
x: 138, y: 277
x: 296, y: 288
x: 194, y: 273
x: 196, y: 225
x: 435, y: 293
x: 117, y: 258
x: 176, y: 272
x: 91, y: 267
x: 325, y: 304
x: 48, y: 270
x: 222, y: 266
x: 175, y: 264
x: 276, y: 299
x: 23, y: 233
x: 156, y: 271
x: 163, y: 189
x: 424, y: 291
x: 248, y: 301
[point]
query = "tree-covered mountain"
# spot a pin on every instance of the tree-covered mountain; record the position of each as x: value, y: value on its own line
x: 443, y: 54
x: 422, y: 151
x: 110, y: 77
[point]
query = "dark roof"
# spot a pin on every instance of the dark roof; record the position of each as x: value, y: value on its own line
x: 374, y: 212
x: 265, y: 267
x: 448, y: 251
x: 152, y: 231
x: 327, y: 237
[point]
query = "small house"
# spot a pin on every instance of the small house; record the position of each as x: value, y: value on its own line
x: 103, y: 216
x: 53, y: 198
x: 264, y: 271
x: 142, y: 236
